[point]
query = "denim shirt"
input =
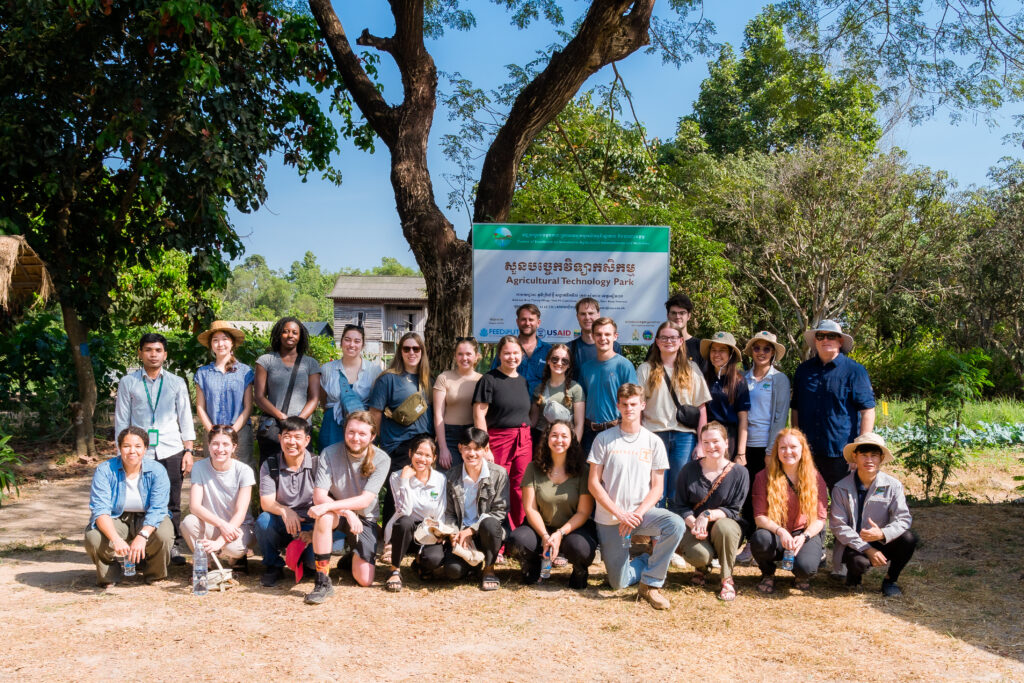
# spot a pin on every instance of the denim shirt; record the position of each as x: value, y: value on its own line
x: 107, y: 495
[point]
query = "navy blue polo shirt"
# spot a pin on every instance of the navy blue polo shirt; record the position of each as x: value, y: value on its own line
x: 720, y: 409
x: 828, y: 398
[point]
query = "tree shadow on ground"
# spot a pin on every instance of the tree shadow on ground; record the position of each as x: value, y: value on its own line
x: 966, y: 579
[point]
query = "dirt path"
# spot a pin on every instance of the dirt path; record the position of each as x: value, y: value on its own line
x: 960, y: 620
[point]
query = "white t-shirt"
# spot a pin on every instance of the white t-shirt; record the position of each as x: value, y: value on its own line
x: 220, y: 489
x: 628, y: 460
x: 132, y: 497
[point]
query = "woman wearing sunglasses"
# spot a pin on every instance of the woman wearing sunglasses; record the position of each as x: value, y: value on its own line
x: 558, y: 397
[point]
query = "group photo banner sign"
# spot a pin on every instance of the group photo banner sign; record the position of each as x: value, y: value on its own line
x: 624, y: 267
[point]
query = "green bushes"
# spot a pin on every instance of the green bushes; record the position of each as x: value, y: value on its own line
x: 8, y: 459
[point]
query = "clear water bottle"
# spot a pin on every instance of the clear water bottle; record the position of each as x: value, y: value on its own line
x: 787, y: 560
x: 545, y: 565
x: 199, y: 571
x: 128, y: 567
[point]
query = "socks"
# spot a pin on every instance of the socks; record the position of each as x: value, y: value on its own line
x: 323, y: 563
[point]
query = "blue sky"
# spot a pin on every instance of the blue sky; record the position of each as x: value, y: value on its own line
x: 356, y: 224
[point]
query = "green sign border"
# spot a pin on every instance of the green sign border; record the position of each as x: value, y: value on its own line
x: 607, y: 238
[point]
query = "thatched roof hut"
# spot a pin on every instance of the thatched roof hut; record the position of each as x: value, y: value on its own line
x: 22, y: 273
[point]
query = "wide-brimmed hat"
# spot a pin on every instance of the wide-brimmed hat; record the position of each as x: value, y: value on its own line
x: 829, y: 326
x: 870, y: 439
x: 723, y: 338
x: 220, y: 326
x: 765, y: 336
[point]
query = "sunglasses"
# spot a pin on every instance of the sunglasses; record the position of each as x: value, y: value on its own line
x: 558, y: 361
x: 763, y: 349
x: 459, y: 340
x: 411, y: 349
x: 832, y: 336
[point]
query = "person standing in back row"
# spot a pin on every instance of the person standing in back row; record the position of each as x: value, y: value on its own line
x: 601, y: 379
x: 582, y: 349
x: 535, y: 349
x: 157, y: 401
x: 679, y: 311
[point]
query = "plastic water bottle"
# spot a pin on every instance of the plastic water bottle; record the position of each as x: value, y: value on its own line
x: 787, y: 560
x: 199, y: 571
x: 545, y: 565
x: 129, y: 566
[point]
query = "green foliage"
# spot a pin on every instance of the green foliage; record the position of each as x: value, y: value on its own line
x: 588, y: 168
x: 946, y: 382
x: 8, y: 460
x: 161, y: 295
x: 775, y: 97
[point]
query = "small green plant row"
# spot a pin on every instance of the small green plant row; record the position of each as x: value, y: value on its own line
x: 983, y: 435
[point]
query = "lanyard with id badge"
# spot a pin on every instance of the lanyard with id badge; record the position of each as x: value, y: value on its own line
x: 154, y: 433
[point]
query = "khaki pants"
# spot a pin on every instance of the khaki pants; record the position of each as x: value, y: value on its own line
x: 194, y: 529
x: 722, y: 542
x: 158, y: 548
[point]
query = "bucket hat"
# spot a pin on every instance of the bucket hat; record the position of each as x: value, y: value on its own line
x: 765, y: 336
x: 829, y: 326
x: 870, y: 438
x: 220, y: 326
x: 723, y: 338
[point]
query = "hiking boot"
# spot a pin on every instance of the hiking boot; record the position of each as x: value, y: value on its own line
x: 177, y: 558
x: 653, y: 596
x: 890, y: 589
x: 271, y: 576
x: 321, y: 591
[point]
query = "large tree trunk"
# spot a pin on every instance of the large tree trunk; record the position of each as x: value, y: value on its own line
x: 81, y: 410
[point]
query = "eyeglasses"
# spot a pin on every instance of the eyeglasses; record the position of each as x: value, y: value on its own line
x: 558, y: 361
x: 411, y: 349
x: 831, y: 336
x: 459, y: 340
x: 669, y: 340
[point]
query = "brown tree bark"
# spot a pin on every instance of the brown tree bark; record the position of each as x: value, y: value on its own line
x: 81, y: 410
x: 611, y: 30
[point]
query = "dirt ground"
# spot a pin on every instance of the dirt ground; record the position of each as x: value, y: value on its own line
x: 959, y: 620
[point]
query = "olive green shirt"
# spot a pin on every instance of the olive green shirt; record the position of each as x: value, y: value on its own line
x: 557, y: 502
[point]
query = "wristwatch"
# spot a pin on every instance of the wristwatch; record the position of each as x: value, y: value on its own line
x: 189, y: 451
x: 145, y: 534
x: 706, y: 513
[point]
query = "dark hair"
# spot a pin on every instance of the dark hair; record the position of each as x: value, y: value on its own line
x: 137, y: 431
x: 528, y: 307
x: 574, y: 457
x: 732, y: 374
x: 226, y: 430
x: 588, y: 301
x: 296, y: 424
x: 418, y: 441
x: 152, y: 338
x: 475, y: 436
x: 232, y: 361
x: 546, y: 377
x: 354, y: 328
x: 278, y: 329
x: 679, y: 300
x: 868, y: 448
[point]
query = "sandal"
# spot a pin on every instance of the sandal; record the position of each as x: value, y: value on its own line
x: 767, y: 585
x: 489, y: 582
x: 728, y: 591
x: 560, y: 561
x: 394, y: 582
x: 698, y: 578
x: 802, y: 584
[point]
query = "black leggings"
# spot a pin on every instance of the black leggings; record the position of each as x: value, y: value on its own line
x: 174, y: 475
x: 755, y: 463
x: 402, y: 543
x: 487, y: 538
x: 898, y: 551
x: 767, y: 550
x: 578, y: 547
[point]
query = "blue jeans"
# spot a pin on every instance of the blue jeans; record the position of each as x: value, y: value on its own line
x: 667, y: 527
x: 273, y: 537
x: 679, y: 446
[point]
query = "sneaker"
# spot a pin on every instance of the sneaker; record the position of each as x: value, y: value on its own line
x: 746, y: 556
x: 271, y: 576
x: 597, y: 557
x: 176, y: 557
x: 677, y: 561
x: 715, y: 564
x: 240, y: 566
x: 321, y: 591
x: 653, y: 596
x: 890, y: 589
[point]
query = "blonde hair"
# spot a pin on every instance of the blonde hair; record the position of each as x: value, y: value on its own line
x: 366, y: 468
x: 681, y: 375
x: 777, y: 483
x: 397, y: 366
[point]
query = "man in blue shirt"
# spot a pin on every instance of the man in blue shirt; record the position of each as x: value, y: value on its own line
x: 601, y: 379
x: 535, y: 350
x: 582, y: 348
x: 833, y: 402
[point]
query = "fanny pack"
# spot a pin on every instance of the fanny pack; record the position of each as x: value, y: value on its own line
x: 410, y: 410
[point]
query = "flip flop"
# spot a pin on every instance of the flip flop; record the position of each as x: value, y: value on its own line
x: 394, y: 582
x: 489, y: 582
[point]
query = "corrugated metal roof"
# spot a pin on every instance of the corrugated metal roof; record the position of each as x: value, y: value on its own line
x: 378, y: 288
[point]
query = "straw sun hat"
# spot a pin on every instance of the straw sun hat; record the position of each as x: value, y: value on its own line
x: 765, y: 336
x: 723, y: 338
x: 220, y: 326
x: 870, y: 439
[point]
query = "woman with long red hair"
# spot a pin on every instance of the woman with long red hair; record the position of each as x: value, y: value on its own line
x: 790, y: 508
